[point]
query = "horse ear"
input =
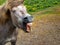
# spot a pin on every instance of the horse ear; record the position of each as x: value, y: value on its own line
x: 12, y: 3
x: 8, y: 13
x: 15, y: 0
x: 21, y: 1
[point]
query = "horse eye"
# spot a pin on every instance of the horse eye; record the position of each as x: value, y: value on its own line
x: 13, y: 11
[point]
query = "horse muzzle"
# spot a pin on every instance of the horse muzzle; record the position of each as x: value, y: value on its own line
x: 28, y: 21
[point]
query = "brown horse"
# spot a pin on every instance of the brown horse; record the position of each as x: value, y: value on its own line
x: 11, y: 17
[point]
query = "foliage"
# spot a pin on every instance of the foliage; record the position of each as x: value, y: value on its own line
x: 2, y: 1
x: 36, y: 5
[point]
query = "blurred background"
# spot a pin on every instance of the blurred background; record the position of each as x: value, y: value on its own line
x: 36, y: 5
x: 46, y: 25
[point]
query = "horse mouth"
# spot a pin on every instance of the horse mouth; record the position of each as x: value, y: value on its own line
x: 28, y: 27
x: 27, y: 23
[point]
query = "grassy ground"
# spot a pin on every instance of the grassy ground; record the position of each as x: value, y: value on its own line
x: 36, y: 5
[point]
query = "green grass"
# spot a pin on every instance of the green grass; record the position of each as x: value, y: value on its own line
x: 2, y: 1
x: 37, y: 5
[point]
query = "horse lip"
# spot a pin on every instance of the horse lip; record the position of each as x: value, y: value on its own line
x: 29, y: 25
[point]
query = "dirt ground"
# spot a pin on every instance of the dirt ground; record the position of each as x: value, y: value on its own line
x: 45, y: 31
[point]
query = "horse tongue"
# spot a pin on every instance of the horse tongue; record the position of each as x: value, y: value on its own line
x: 28, y: 28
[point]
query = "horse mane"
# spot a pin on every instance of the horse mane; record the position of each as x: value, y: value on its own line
x: 4, y: 13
